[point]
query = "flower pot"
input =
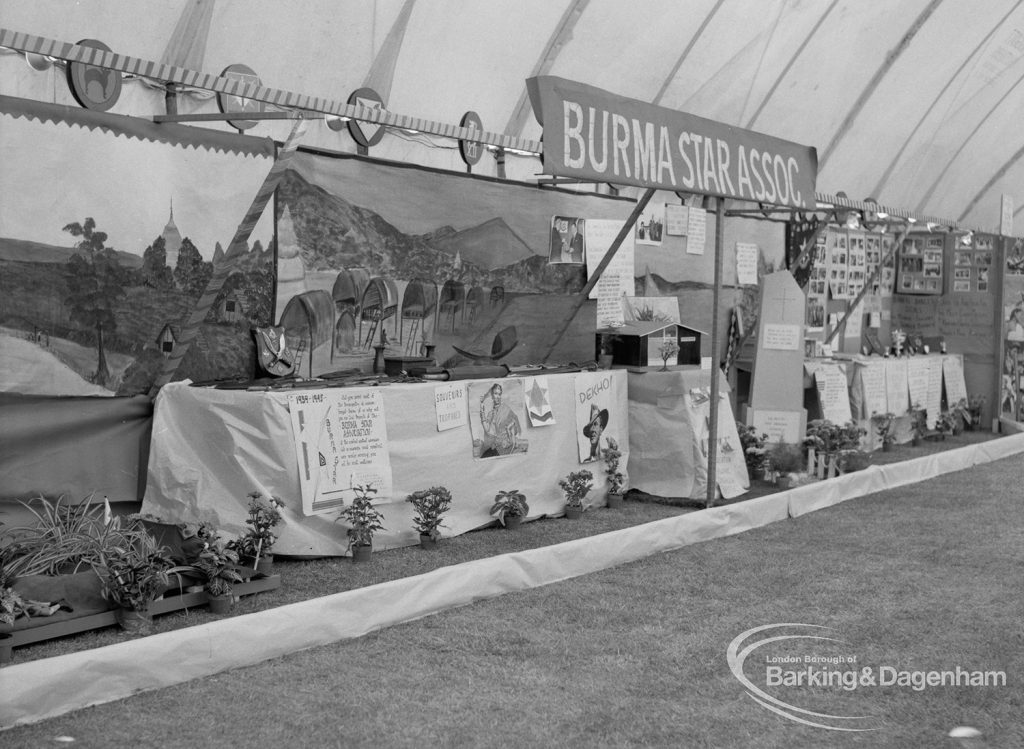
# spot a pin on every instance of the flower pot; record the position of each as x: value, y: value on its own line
x: 361, y: 553
x: 264, y: 567
x: 615, y: 500
x: 220, y: 605
x: 916, y: 441
x: 512, y: 522
x: 604, y: 361
x: 427, y: 541
x: 784, y: 481
x: 136, y: 622
x: 6, y: 649
x: 573, y: 512
x: 886, y: 447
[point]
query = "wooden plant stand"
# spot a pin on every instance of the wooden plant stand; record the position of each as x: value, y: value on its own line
x: 164, y: 605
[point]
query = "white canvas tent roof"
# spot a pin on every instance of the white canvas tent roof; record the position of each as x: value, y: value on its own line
x: 916, y: 103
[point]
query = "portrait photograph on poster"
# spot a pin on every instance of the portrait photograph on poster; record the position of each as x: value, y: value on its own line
x: 495, y: 418
x: 568, y: 244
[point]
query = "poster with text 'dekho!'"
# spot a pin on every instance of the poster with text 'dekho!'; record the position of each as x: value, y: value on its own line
x: 597, y: 420
x: 341, y: 443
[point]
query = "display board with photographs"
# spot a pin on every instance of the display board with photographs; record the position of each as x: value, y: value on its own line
x: 972, y: 263
x: 921, y: 265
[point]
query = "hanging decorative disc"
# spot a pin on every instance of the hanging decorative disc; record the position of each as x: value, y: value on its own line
x: 471, y: 150
x: 366, y: 134
x: 230, y: 104
x: 94, y: 87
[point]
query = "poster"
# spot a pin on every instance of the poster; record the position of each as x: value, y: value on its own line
x: 746, y: 264
x: 650, y: 227
x: 538, y: 401
x: 872, y: 380
x: 833, y: 393
x: 917, y: 383
x: 933, y: 396
x: 495, y: 418
x: 696, y: 231
x: 596, y: 419
x: 567, y: 244
x: 953, y: 376
x: 837, y: 264
x: 677, y: 219
x: 896, y: 387
x: 856, y: 265
x: 921, y: 266
x: 617, y: 278
x: 341, y: 442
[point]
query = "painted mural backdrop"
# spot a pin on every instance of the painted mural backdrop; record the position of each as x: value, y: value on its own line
x: 375, y: 254
x: 105, y: 243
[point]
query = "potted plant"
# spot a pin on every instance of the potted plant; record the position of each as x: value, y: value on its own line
x: 785, y: 460
x: 885, y: 428
x: 754, y: 444
x: 918, y: 424
x: 510, y: 507
x: 363, y: 521
x: 217, y: 564
x: 430, y: 505
x: 575, y: 487
x: 945, y: 424
x: 853, y: 460
x: 255, y: 546
x: 616, y: 480
x: 974, y: 405
x: 132, y: 576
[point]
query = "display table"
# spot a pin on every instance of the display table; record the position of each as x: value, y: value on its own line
x: 211, y: 448
x: 668, y: 435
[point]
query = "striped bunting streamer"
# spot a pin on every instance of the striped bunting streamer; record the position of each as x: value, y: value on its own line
x: 223, y: 269
x: 285, y: 99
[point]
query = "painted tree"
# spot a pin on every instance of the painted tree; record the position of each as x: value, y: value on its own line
x: 95, y: 281
x: 155, y: 272
x: 192, y: 273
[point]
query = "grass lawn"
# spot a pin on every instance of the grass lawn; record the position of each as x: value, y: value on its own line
x: 925, y: 577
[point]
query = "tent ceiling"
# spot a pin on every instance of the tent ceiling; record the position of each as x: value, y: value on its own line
x: 916, y: 103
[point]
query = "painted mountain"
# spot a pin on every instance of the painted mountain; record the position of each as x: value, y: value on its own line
x: 334, y: 234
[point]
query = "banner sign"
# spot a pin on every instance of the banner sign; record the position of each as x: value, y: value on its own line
x: 592, y: 134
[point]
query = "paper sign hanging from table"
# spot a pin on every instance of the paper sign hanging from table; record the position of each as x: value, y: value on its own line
x: 341, y: 442
x: 495, y: 409
x: 596, y: 419
x: 538, y: 402
x: 450, y: 405
x: 833, y: 393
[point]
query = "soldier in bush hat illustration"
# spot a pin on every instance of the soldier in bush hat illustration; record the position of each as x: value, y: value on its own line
x: 595, y: 428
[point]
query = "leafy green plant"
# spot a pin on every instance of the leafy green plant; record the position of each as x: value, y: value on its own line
x: 216, y: 563
x: 509, y: 503
x: 362, y: 518
x: 946, y: 422
x: 829, y: 438
x: 786, y: 458
x: 575, y: 487
x: 885, y: 427
x: 430, y: 506
x: 754, y: 444
x: 258, y: 539
x: 612, y: 457
x: 133, y: 575
x: 853, y: 460
x: 64, y: 537
x: 12, y: 605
